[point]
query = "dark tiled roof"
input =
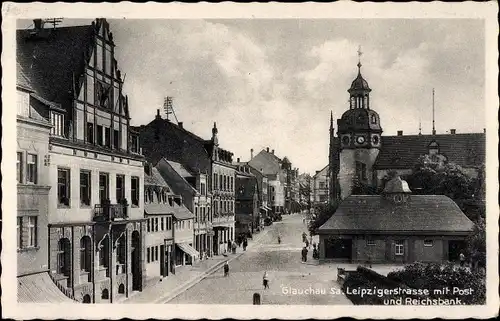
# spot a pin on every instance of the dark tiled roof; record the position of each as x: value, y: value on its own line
x: 163, y: 139
x: 422, y: 213
x: 398, y: 152
x: 155, y: 179
x: 268, y: 162
x: 182, y: 213
x: 158, y: 209
x: 52, y: 62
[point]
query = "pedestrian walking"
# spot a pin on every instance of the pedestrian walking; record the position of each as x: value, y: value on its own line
x: 234, y: 248
x: 265, y: 280
x: 226, y: 269
x: 462, y: 259
x: 245, y: 244
x: 304, y: 254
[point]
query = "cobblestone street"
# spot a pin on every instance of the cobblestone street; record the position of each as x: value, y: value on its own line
x: 285, y: 270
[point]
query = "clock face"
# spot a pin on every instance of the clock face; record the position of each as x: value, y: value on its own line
x: 360, y: 139
x: 375, y: 140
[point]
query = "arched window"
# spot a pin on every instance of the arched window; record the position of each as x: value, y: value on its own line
x: 105, y: 294
x: 85, y: 254
x: 121, y: 250
x: 374, y: 119
x: 121, y: 289
x: 64, y: 257
x: 104, y: 252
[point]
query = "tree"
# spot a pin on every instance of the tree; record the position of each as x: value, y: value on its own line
x: 322, y: 214
x: 476, y: 243
x: 435, y: 177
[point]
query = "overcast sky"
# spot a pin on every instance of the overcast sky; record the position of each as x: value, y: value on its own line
x: 274, y: 82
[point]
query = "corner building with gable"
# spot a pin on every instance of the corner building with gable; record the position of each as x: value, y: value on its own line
x: 95, y: 171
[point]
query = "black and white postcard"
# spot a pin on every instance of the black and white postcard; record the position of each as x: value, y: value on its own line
x: 250, y: 161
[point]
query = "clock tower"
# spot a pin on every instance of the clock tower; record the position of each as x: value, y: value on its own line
x: 359, y: 134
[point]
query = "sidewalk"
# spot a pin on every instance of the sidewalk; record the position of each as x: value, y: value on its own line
x: 185, y: 277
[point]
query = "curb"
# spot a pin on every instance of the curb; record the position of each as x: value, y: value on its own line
x: 189, y: 284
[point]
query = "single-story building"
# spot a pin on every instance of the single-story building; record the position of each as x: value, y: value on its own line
x: 394, y: 227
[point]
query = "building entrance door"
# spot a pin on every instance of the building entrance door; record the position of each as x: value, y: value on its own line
x: 163, y: 263
x: 136, y: 262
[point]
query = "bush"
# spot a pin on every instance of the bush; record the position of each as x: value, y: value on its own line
x: 434, y: 276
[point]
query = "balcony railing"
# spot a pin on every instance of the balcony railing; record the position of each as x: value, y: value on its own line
x: 110, y: 212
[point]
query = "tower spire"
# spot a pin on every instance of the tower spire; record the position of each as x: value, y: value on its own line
x: 331, y: 119
x: 433, y: 122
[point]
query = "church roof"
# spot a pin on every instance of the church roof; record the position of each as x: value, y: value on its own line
x: 426, y: 214
x: 400, y: 152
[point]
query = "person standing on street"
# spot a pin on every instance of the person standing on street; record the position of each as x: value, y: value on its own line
x: 234, y: 247
x: 304, y: 254
x: 462, y: 259
x: 265, y: 280
x: 245, y: 244
x: 226, y: 269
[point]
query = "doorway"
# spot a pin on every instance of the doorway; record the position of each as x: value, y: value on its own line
x: 455, y: 247
x: 136, y: 262
x: 163, y: 263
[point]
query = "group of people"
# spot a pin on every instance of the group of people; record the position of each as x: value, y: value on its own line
x: 307, y: 245
x: 240, y: 240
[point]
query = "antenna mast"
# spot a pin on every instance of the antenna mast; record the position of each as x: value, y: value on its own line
x: 433, y: 123
x: 168, y: 107
x: 53, y: 21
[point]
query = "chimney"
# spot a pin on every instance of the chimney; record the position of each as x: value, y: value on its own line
x: 272, y: 152
x: 453, y: 131
x: 400, y: 133
x: 267, y: 149
x: 484, y: 130
x: 37, y: 24
x: 237, y: 160
x: 251, y: 153
x: 158, y: 114
x: 181, y: 125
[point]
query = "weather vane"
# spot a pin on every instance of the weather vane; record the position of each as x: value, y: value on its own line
x: 359, y: 56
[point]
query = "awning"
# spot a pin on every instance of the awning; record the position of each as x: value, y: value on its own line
x: 189, y: 250
x: 39, y: 288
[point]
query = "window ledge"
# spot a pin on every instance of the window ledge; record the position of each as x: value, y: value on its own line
x: 84, y: 273
x: 61, y: 206
x: 28, y: 249
x: 134, y: 206
x: 85, y: 206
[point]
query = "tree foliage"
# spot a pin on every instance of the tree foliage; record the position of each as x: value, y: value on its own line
x: 476, y: 243
x: 322, y: 213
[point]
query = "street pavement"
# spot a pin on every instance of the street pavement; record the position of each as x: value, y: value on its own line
x: 290, y: 280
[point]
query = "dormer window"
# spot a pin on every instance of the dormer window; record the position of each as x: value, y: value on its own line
x: 134, y: 143
x: 57, y: 121
x: 374, y: 119
x: 433, y: 148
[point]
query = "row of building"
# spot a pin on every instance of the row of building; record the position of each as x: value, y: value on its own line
x: 105, y: 208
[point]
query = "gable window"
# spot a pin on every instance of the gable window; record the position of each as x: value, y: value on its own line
x: 120, y: 188
x: 433, y: 148
x: 107, y: 137
x: 103, y: 187
x: 23, y: 105
x: 399, y: 247
x: 19, y: 167
x: 135, y: 190
x: 90, y: 133
x: 100, y: 138
x: 19, y: 232
x: 57, y: 121
x: 103, y: 94
x: 134, y: 143
x: 428, y: 243
x: 85, y: 188
x: 63, y: 186
x: 116, y: 135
